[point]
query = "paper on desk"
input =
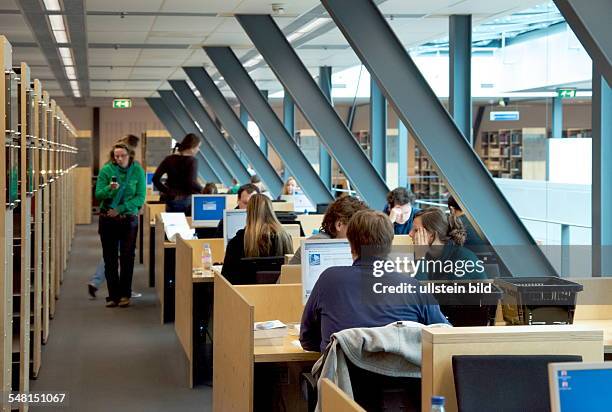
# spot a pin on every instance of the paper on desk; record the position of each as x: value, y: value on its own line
x: 176, y: 224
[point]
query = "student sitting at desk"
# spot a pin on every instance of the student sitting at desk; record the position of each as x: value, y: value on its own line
x: 443, y: 238
x: 289, y: 187
x: 400, y: 210
x: 342, y: 297
x: 472, y: 240
x: 335, y: 222
x: 262, y: 236
x: 244, y: 195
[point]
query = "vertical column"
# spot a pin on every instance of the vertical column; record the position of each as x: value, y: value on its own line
x: 460, y: 62
x: 557, y: 117
x: 602, y: 176
x: 288, y: 121
x: 378, y: 129
x: 325, y: 165
x: 402, y: 154
x: 244, y: 119
x: 263, y: 142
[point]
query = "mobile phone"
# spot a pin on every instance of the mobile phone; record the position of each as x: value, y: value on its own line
x: 114, y: 179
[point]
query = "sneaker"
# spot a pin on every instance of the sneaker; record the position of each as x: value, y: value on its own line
x: 91, y: 289
x: 111, y: 304
x: 124, y: 302
x: 136, y: 294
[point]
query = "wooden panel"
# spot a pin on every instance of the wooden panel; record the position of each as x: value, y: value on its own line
x: 231, y: 202
x: 310, y: 223
x: 216, y: 247
x: 183, y: 318
x: 150, y: 210
x: 159, y: 264
x: 282, y: 206
x: 604, y: 325
x: 296, y: 242
x: 293, y: 229
x: 233, y: 350
x: 282, y: 302
x: 439, y: 346
x: 290, y: 274
x: 289, y: 351
x: 82, y: 196
x: 402, y: 240
x: 335, y: 400
x: 594, y: 300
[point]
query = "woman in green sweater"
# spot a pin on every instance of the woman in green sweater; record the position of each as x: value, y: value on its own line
x: 121, y: 190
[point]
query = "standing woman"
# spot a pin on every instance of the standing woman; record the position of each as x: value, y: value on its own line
x: 182, y: 171
x: 262, y: 236
x: 121, y: 190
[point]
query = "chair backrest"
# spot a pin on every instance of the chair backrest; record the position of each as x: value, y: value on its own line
x: 504, y: 383
x: 260, y: 270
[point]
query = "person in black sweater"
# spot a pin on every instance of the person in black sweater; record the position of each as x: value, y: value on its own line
x: 181, y: 169
x: 263, y: 236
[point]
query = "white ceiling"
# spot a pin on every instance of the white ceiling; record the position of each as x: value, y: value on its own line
x: 139, y: 72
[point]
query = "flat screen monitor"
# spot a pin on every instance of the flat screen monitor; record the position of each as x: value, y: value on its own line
x: 233, y: 221
x: 578, y: 386
x: 150, y: 182
x: 301, y: 204
x: 320, y: 254
x: 207, y: 210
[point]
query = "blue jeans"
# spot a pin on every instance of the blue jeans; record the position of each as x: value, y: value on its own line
x: 98, y: 278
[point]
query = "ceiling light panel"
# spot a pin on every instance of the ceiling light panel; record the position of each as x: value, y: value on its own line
x: 52, y: 5
x: 60, y: 36
x: 57, y: 22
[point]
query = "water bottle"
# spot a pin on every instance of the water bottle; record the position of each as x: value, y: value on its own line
x: 206, y: 257
x: 437, y: 404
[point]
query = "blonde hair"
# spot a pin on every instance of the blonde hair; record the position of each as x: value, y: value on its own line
x: 447, y: 228
x: 286, y: 185
x: 262, y: 227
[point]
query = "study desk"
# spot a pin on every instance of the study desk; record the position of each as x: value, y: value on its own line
x: 237, y: 361
x: 601, y: 324
x: 164, y: 263
x: 147, y: 228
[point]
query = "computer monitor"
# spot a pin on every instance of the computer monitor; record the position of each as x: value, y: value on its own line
x: 207, y: 210
x: 578, y: 386
x: 233, y: 221
x: 300, y: 202
x: 320, y: 254
x: 150, y: 184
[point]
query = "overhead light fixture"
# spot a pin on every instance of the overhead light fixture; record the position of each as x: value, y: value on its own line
x: 74, y: 84
x: 294, y: 36
x: 252, y: 62
x: 67, y: 61
x: 76, y: 93
x: 70, y: 72
x: 319, y: 21
x: 52, y: 5
x: 60, y: 36
x: 65, y: 52
x: 57, y: 22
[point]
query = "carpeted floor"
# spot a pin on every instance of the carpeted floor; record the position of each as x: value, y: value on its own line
x: 119, y: 359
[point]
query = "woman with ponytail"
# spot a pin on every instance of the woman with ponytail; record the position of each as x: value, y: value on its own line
x: 181, y: 169
x: 445, y: 257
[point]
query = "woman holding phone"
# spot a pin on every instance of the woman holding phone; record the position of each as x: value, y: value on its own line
x: 121, y: 190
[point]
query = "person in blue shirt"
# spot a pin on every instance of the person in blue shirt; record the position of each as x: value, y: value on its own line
x: 349, y: 296
x: 400, y: 210
x: 440, y: 239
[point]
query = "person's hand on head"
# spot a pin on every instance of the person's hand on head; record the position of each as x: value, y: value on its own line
x: 421, y: 237
x: 395, y: 214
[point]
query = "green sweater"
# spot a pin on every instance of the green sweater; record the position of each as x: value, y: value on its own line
x: 133, y: 195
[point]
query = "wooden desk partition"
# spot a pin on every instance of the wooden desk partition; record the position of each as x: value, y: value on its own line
x: 282, y: 206
x: 293, y: 229
x: 290, y: 274
x: 402, y: 240
x: 441, y: 344
x: 334, y: 400
x: 234, y: 354
x: 310, y: 223
x: 149, y: 212
x: 296, y: 242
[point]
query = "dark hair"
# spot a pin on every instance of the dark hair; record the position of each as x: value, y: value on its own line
x: 249, y: 188
x: 446, y: 227
x: 210, y: 189
x: 130, y: 140
x: 255, y: 179
x: 451, y: 202
x: 341, y: 210
x: 189, y: 142
x: 399, y: 197
x: 370, y: 233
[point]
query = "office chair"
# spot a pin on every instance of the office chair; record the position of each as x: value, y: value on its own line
x: 504, y: 383
x: 260, y: 270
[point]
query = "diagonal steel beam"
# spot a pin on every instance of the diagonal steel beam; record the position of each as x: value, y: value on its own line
x: 211, y: 132
x: 176, y: 131
x: 213, y: 96
x: 76, y: 24
x: 418, y: 107
x: 590, y: 21
x: 338, y: 139
x: 186, y: 122
x: 245, y: 89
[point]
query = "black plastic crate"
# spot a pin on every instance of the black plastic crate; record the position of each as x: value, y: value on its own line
x: 467, y: 309
x: 538, y: 300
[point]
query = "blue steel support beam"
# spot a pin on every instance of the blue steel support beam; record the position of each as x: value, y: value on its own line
x: 590, y: 22
x: 402, y: 154
x: 428, y: 121
x: 378, y: 129
x: 177, y: 133
x: 325, y: 163
x: 263, y: 142
x: 245, y: 89
x: 557, y: 117
x: 338, y: 139
x: 186, y: 122
x: 288, y: 120
x: 244, y: 118
x: 460, y: 62
x: 238, y: 130
x: 602, y: 176
x: 212, y: 133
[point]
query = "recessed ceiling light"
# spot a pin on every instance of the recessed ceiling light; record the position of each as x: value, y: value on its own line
x: 57, y: 22
x: 52, y: 5
x: 60, y: 36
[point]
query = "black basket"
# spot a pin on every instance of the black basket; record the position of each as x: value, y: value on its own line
x: 468, y: 309
x: 538, y: 300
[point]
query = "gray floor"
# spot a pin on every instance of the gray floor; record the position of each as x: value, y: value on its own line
x: 119, y: 359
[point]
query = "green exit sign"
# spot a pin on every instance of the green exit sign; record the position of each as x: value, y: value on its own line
x: 566, y: 93
x: 122, y: 103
